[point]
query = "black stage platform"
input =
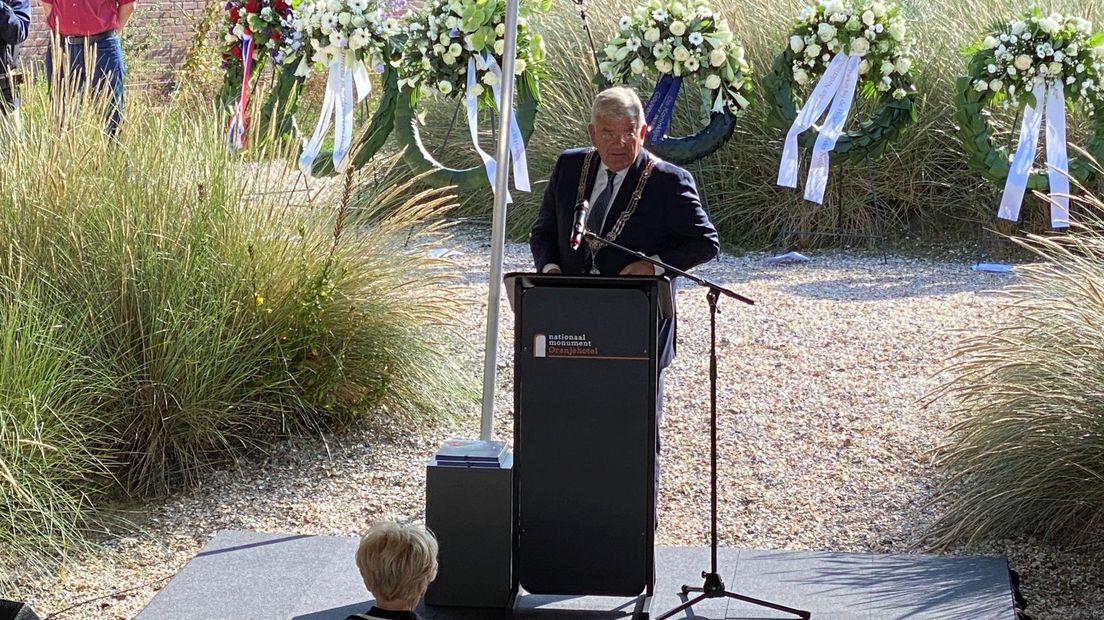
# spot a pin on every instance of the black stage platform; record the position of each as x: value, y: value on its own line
x: 244, y: 575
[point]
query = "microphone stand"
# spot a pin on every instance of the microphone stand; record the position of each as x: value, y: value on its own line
x: 714, y: 289
x: 713, y: 587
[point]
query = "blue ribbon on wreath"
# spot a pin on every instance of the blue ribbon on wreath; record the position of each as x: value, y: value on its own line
x: 661, y: 106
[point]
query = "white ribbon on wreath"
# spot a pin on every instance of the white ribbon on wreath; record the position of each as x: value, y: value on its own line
x: 346, y: 72
x: 1053, y: 109
x: 836, y: 88
x: 486, y: 62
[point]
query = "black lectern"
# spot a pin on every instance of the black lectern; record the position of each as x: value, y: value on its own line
x: 585, y: 431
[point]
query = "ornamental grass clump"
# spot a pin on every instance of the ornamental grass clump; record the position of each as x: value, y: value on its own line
x: 1027, y: 455
x: 165, y: 304
x: 52, y: 461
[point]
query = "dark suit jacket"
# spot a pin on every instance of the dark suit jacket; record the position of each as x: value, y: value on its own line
x: 669, y: 222
x: 15, y: 22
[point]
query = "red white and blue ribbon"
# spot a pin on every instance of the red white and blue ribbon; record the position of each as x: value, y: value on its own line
x: 236, y: 136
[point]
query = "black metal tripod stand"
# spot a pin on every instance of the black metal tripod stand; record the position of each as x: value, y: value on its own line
x: 713, y: 587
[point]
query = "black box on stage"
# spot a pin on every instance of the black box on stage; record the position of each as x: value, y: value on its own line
x: 585, y: 376
x: 469, y: 510
x: 14, y: 610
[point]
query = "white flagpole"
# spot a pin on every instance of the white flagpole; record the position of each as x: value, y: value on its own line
x: 498, y: 222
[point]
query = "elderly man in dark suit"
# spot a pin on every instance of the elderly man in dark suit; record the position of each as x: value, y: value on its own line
x: 637, y: 200
x: 15, y: 22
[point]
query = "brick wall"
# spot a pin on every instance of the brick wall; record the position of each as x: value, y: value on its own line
x: 163, y: 28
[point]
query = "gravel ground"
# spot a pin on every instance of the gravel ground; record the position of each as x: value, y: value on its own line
x: 824, y: 439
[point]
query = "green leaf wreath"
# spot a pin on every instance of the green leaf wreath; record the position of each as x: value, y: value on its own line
x: 690, y: 41
x: 1005, y: 63
x: 876, y: 31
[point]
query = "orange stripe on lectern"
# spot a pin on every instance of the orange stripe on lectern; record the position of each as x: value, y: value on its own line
x: 598, y: 357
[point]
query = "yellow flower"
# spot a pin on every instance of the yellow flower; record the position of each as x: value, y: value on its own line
x: 260, y: 300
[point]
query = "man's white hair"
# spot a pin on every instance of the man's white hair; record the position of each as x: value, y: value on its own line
x: 618, y: 103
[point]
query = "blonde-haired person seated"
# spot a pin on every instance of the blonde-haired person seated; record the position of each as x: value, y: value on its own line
x: 397, y: 563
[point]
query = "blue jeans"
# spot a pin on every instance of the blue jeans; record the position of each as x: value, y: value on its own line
x: 106, y: 63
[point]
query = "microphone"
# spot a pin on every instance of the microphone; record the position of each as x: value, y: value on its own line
x: 579, y: 230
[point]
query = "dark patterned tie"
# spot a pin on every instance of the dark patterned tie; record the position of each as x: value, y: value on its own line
x: 601, y: 206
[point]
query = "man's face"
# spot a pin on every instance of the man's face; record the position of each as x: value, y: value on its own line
x: 618, y: 140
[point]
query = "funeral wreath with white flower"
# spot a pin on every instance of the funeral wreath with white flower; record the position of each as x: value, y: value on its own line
x: 343, y: 37
x: 871, y: 33
x: 1009, y: 66
x: 681, y: 41
x: 255, y: 31
x: 454, y: 49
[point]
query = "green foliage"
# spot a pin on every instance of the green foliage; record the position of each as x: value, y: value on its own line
x: 165, y: 304
x: 197, y: 72
x: 277, y: 114
x: 50, y: 455
x: 201, y: 41
x: 138, y: 42
x: 1028, y: 452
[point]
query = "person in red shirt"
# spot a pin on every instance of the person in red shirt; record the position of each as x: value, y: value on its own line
x: 89, y: 29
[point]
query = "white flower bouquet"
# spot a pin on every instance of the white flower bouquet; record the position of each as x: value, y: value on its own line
x: 1041, y: 64
x: 684, y: 39
x: 354, y: 30
x: 872, y: 29
x: 446, y: 34
x: 1011, y: 59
